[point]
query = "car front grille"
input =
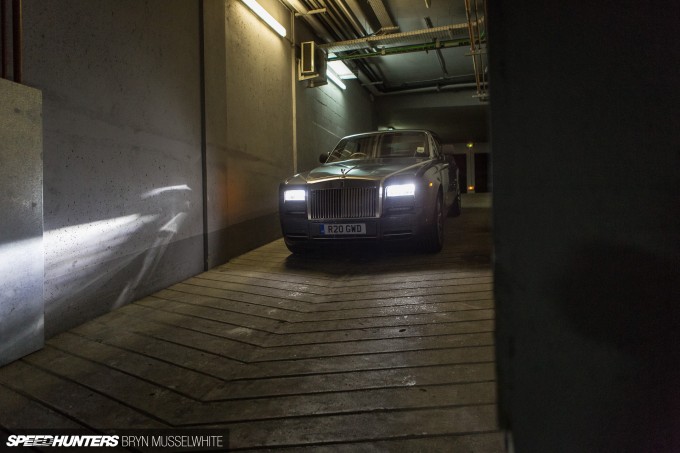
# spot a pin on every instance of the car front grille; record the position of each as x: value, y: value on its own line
x: 344, y: 203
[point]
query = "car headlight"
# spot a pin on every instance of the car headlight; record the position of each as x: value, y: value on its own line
x: 400, y: 190
x: 294, y: 195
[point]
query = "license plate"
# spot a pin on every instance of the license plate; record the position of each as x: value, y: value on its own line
x: 343, y: 228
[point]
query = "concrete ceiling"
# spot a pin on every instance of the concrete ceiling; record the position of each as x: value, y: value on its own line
x: 414, y: 56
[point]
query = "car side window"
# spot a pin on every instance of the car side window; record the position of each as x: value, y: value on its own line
x: 436, y: 151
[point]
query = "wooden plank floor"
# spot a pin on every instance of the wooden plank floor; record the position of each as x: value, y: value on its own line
x: 371, y: 350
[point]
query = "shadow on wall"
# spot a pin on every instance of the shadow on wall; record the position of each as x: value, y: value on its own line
x: 95, y: 267
x: 625, y: 301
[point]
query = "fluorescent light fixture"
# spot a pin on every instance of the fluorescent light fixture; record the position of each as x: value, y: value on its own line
x: 294, y: 195
x: 335, y: 79
x: 400, y: 190
x: 265, y: 16
x: 340, y: 68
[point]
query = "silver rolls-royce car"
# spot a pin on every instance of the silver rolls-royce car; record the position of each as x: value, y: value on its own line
x: 376, y: 186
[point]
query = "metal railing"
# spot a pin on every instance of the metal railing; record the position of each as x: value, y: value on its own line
x: 15, y: 39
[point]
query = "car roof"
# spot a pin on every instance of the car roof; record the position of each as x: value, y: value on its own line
x: 391, y: 131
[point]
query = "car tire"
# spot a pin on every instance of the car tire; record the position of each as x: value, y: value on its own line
x: 456, y: 207
x: 433, y: 239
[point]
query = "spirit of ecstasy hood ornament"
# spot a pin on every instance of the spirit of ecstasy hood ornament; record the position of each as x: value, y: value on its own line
x: 345, y: 171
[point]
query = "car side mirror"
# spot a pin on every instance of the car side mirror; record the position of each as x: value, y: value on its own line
x: 323, y: 158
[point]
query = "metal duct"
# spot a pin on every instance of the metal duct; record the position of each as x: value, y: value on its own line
x: 428, y: 89
x: 351, y: 18
x: 383, y: 16
x: 344, y: 23
x: 477, y: 50
x: 440, y: 57
x: 361, y: 16
x: 445, y: 32
x: 332, y: 20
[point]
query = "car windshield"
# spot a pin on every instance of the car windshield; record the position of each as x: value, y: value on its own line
x: 379, y: 146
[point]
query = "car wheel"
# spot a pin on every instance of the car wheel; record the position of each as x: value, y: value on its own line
x: 455, y: 209
x: 433, y: 239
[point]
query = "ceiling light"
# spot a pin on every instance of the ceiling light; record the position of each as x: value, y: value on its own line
x: 335, y: 79
x: 265, y: 16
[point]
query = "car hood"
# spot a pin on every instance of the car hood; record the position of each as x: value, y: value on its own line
x: 367, y: 169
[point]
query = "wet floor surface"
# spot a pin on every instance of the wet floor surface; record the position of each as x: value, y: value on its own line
x: 350, y: 350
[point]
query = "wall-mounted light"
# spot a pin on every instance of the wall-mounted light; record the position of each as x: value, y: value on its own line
x: 265, y: 16
x: 470, y: 144
x: 335, y: 79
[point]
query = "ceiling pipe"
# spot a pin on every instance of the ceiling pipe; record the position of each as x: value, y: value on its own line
x: 477, y: 62
x: 443, y: 32
x: 480, y: 51
x: 386, y: 23
x: 358, y: 28
x: 438, y: 51
x: 345, y: 23
x: 368, y: 83
x: 341, y: 21
x: 423, y: 47
x: 448, y: 87
x: 326, y: 18
x: 313, y: 22
x: 361, y: 16
x: 484, y: 56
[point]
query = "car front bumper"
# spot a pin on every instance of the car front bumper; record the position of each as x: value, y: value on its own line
x: 402, y: 224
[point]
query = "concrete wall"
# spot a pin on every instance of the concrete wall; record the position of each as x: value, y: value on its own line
x: 123, y: 204
x: 327, y: 113
x: 249, y: 125
x: 21, y: 222
x: 253, y: 131
x: 123, y: 140
x: 584, y: 131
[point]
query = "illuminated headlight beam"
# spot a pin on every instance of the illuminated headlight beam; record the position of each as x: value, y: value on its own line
x: 294, y: 195
x: 400, y: 190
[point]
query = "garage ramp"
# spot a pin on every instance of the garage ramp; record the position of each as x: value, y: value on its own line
x: 371, y: 350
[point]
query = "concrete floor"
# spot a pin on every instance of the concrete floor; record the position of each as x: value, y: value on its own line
x: 349, y: 350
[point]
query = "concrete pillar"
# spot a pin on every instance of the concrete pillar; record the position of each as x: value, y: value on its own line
x: 21, y: 223
x: 585, y: 144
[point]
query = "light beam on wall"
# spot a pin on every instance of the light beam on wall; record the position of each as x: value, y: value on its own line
x: 265, y: 16
x: 340, y: 68
x: 335, y: 79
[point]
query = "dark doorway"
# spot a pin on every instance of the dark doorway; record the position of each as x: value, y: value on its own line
x: 461, y: 162
x: 481, y: 172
